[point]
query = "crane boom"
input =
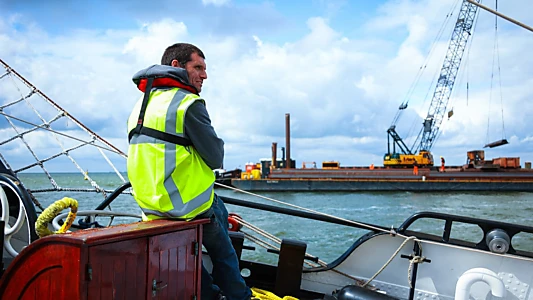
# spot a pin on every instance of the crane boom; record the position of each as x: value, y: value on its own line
x: 439, y: 102
x: 448, y: 74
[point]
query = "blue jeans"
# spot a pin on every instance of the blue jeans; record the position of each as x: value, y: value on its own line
x: 226, y: 275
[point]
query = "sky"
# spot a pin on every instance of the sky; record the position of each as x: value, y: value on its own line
x: 340, y: 68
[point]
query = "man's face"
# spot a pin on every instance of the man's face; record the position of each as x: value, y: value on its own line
x: 196, y: 69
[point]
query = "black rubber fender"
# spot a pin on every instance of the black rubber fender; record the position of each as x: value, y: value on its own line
x: 353, y: 292
x: 21, y: 192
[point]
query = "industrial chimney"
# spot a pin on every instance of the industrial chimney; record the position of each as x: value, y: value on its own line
x: 288, y: 140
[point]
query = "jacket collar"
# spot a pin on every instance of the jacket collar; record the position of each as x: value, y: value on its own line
x: 164, y: 76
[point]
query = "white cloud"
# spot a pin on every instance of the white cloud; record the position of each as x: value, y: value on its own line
x: 341, y: 90
x: 148, y: 45
x: 215, y: 2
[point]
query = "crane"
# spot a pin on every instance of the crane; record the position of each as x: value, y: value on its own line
x: 437, y: 108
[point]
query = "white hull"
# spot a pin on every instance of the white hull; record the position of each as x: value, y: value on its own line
x: 437, y: 279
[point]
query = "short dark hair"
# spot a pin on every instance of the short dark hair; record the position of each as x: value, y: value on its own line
x: 181, y: 52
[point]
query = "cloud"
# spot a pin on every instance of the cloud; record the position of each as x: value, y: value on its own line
x: 342, y: 90
x: 147, y: 46
x: 215, y: 2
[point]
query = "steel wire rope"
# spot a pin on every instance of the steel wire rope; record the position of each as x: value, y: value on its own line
x: 62, y: 189
x: 48, y: 125
x: 11, y: 73
x: 16, y: 136
x: 504, y: 136
x: 456, y: 91
x: 357, y: 280
x: 304, y: 209
x: 419, y: 136
x: 259, y: 241
x: 392, y: 231
x: 414, y: 123
x: 52, y: 181
x: 258, y: 230
x: 20, y: 135
x: 39, y: 162
x: 60, y: 133
x: 59, y: 108
x: 495, y: 60
x: 422, y: 68
x: 267, y: 246
x: 269, y: 236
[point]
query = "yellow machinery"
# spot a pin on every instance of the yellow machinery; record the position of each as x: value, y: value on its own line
x: 423, y: 159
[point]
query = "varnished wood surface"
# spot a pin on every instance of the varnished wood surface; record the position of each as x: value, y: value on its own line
x: 124, y: 260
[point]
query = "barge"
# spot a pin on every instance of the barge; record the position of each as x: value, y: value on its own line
x: 503, y: 174
x: 427, y: 180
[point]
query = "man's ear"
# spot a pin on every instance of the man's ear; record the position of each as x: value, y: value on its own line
x: 175, y: 63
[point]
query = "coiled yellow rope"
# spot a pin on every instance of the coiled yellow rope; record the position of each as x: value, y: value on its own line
x: 41, y: 225
x: 266, y: 295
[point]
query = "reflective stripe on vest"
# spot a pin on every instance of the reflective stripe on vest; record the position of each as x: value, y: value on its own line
x: 168, y: 180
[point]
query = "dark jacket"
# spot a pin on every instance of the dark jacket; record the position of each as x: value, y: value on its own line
x: 198, y: 128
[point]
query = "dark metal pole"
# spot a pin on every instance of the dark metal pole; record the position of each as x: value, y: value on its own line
x: 412, y: 290
x: 501, y: 15
x: 113, y: 196
x: 274, y: 155
x: 288, y: 140
x: 296, y: 213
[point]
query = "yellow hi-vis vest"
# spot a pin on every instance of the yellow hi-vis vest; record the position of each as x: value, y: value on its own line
x: 168, y: 180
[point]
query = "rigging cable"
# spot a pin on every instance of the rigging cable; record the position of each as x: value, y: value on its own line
x: 391, y: 231
x: 25, y: 134
x: 495, y: 63
x: 462, y: 75
x: 415, y: 123
x: 468, y: 48
x: 500, y: 75
x: 423, y: 67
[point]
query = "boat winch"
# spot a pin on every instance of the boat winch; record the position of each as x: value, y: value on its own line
x: 498, y: 241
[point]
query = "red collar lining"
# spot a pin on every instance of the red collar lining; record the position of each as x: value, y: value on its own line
x: 165, y: 81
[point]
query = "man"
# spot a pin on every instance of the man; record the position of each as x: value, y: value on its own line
x: 173, y: 150
x: 442, y: 162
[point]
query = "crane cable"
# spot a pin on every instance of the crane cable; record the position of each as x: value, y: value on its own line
x: 495, y: 62
x: 415, y: 123
x: 462, y: 74
x: 423, y: 67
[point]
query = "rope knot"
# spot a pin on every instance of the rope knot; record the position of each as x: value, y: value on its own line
x: 418, y: 259
x: 392, y: 231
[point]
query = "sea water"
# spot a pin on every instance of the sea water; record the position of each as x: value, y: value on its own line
x: 325, y: 240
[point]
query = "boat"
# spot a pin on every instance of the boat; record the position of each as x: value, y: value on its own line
x: 502, y: 174
x: 84, y: 258
x: 138, y: 260
x: 364, y: 179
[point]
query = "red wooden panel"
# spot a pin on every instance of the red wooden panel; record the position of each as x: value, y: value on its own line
x: 129, y: 231
x: 55, y: 267
x: 46, y: 286
x: 172, y: 262
x: 39, y: 272
x: 120, y: 276
x: 198, y: 279
x: 119, y: 270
